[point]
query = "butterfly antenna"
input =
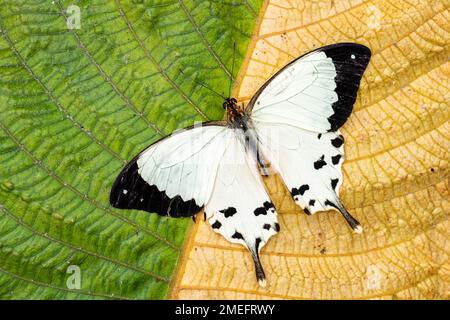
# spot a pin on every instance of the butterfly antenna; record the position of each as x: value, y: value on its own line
x: 232, y: 69
x: 204, y: 86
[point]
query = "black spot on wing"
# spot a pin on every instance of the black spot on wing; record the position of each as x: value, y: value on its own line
x: 237, y: 235
x: 329, y: 203
x: 268, y: 205
x: 312, y: 202
x: 319, y: 136
x: 300, y: 191
x: 303, y: 189
x: 228, y: 212
x: 320, y: 163
x: 276, y: 226
x: 338, y: 141
x: 335, y: 159
x: 350, y: 60
x: 334, y: 183
x: 130, y: 191
x: 257, y: 243
x: 264, y: 209
x: 216, y: 225
x: 260, y: 211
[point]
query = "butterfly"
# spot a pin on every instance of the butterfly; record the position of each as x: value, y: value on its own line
x: 289, y: 127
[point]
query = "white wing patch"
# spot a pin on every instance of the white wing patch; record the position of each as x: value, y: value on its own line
x: 179, y: 168
x: 173, y: 176
x: 310, y: 165
x: 306, y: 88
x: 240, y: 208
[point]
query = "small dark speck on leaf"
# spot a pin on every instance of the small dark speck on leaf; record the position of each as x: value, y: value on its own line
x: 323, y: 251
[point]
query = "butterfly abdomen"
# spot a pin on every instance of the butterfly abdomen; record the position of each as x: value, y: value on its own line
x: 253, y: 146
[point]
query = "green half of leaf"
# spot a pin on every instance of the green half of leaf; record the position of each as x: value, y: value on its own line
x: 75, y: 105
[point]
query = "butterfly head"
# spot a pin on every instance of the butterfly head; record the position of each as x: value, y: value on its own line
x: 230, y: 103
x: 234, y: 111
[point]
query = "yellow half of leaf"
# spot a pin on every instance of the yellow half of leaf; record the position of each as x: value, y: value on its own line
x: 396, y: 173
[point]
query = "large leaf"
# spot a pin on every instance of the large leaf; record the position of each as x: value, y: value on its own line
x: 396, y: 173
x: 75, y: 105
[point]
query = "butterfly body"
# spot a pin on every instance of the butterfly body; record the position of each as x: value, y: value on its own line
x: 291, y: 127
x: 238, y: 118
x: 236, y: 115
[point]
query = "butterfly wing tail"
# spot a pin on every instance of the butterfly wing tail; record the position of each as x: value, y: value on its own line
x: 240, y: 208
x: 259, y: 271
x: 352, y: 222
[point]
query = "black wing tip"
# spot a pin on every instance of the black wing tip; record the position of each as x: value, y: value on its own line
x: 350, y: 60
x: 116, y: 198
x: 130, y: 191
x: 358, y: 46
x: 348, y: 47
x: 341, y: 52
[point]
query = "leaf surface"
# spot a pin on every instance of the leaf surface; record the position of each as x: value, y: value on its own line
x: 75, y: 105
x: 396, y: 173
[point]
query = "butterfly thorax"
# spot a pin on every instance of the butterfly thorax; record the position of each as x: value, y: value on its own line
x: 236, y: 114
x: 238, y: 118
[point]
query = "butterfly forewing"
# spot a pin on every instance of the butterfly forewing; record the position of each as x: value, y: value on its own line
x: 303, y: 106
x: 173, y: 176
x: 314, y: 92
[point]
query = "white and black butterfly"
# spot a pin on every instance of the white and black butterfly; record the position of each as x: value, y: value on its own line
x: 217, y: 166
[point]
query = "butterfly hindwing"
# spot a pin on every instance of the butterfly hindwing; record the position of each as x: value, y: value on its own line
x: 314, y: 92
x: 240, y: 208
x: 173, y: 176
x: 309, y: 164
